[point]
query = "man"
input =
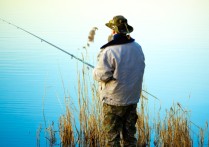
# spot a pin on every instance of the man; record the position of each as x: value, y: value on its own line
x: 120, y: 72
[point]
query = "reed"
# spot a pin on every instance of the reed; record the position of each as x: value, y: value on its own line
x: 143, y: 128
x: 90, y: 112
x: 38, y: 132
x: 51, y: 137
x: 172, y: 130
x: 66, y: 130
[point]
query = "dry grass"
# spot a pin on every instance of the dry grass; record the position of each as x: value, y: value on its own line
x: 143, y: 128
x: 66, y: 130
x: 174, y: 130
x: 38, y: 132
x: 90, y: 112
x: 50, y: 132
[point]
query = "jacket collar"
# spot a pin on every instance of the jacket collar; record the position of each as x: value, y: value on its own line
x: 117, y: 40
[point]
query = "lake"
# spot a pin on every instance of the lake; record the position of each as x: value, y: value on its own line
x: 32, y: 75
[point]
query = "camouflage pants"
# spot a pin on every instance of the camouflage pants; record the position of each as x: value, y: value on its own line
x: 120, y: 121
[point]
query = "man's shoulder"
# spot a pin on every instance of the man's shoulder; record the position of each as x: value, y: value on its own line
x: 136, y: 44
x: 117, y: 42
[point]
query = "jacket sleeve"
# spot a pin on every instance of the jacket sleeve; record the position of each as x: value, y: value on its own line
x: 103, y: 72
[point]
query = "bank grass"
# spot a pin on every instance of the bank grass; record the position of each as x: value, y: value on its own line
x: 172, y: 130
x: 91, y: 132
x: 143, y: 127
x: 66, y: 132
x: 81, y: 125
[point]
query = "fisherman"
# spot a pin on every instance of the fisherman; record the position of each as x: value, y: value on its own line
x: 120, y: 71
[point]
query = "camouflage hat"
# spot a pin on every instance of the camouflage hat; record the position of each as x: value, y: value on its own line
x: 120, y: 25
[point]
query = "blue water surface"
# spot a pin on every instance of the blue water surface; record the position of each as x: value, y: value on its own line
x: 35, y: 78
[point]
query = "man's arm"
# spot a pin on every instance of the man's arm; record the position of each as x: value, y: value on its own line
x: 103, y: 72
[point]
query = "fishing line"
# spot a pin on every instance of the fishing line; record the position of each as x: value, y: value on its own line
x: 72, y: 56
x: 43, y: 40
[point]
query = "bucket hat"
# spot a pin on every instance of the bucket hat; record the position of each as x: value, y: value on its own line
x: 120, y: 24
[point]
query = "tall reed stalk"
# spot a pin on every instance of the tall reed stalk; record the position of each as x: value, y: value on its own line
x: 143, y: 128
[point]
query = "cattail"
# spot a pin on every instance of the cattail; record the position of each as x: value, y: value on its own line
x: 92, y: 34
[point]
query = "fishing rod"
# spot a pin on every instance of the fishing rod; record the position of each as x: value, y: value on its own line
x: 72, y: 56
x: 43, y: 40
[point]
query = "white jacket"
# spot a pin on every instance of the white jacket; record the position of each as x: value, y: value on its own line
x: 120, y: 72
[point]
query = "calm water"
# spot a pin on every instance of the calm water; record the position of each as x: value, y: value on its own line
x: 31, y: 74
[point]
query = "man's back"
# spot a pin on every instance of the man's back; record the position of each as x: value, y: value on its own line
x: 127, y: 62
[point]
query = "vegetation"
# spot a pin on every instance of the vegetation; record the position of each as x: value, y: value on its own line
x: 174, y: 130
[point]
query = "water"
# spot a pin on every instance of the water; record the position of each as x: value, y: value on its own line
x: 176, y: 49
x: 31, y: 75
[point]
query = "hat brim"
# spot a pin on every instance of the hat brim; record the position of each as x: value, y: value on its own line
x: 122, y: 29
